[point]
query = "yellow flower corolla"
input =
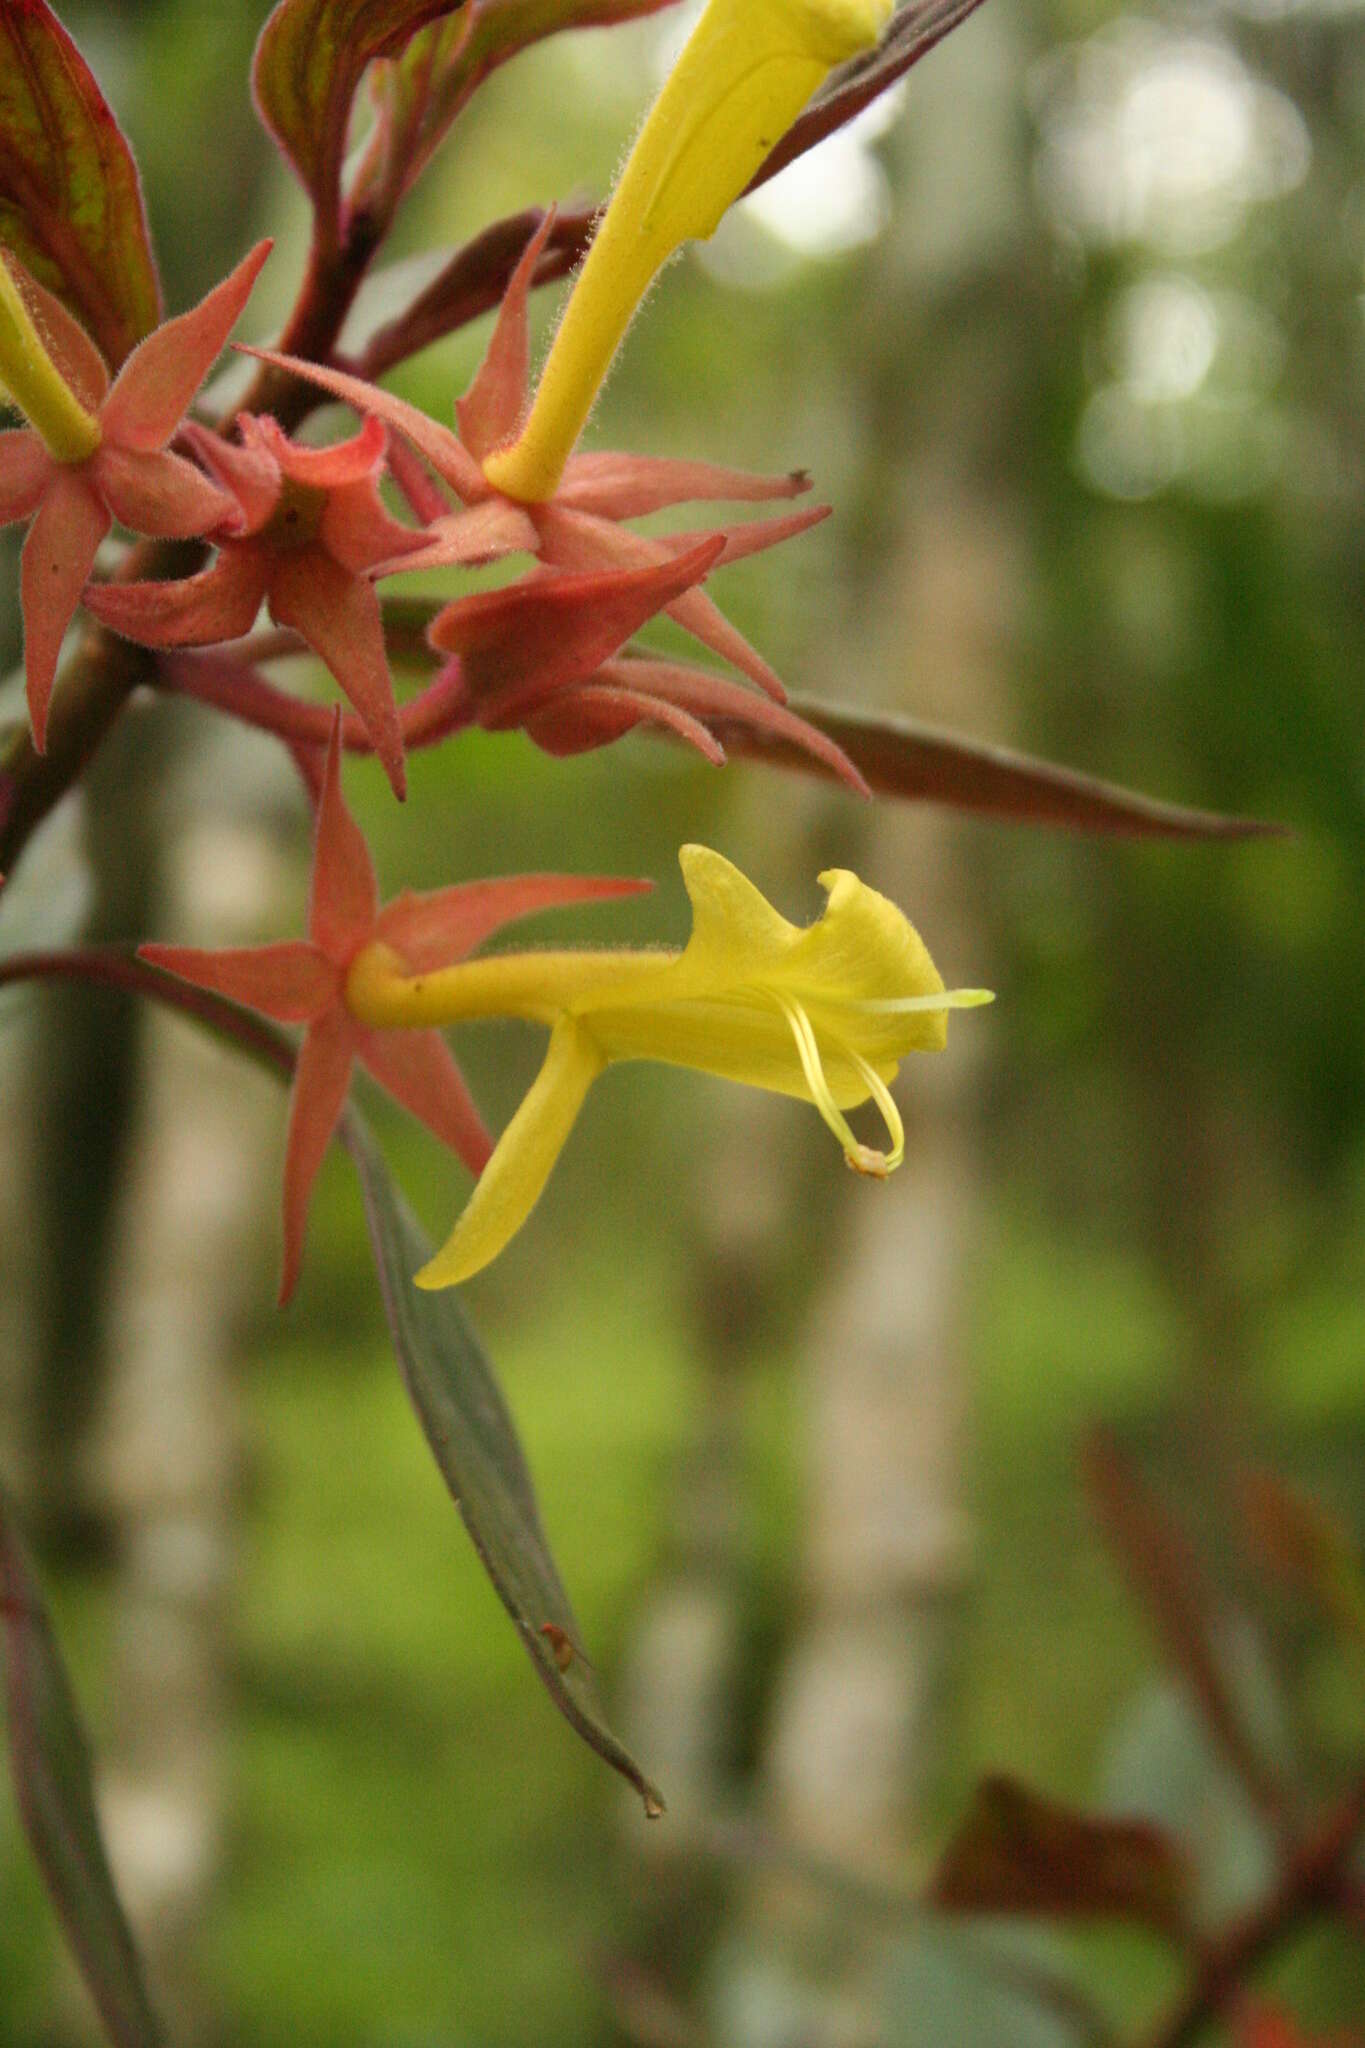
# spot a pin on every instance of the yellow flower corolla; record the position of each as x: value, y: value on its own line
x: 744, y: 75
x: 824, y: 1013
x: 27, y: 372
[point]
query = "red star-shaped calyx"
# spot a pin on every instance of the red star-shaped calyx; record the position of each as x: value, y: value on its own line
x: 131, y: 476
x: 581, y: 527
x: 313, y: 533
x: 303, y: 981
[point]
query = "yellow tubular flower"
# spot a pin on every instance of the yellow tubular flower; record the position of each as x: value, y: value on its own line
x: 824, y: 1013
x: 746, y: 72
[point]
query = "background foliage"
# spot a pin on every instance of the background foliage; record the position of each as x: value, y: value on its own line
x: 1108, y: 299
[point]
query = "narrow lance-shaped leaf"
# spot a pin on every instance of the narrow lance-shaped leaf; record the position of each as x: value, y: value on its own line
x: 310, y: 59
x: 50, y: 1762
x: 471, y: 1433
x: 70, y: 200
x: 419, y: 95
x: 900, y: 757
x: 1017, y: 1852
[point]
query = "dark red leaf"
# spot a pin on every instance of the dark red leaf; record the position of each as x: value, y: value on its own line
x: 1306, y: 1544
x: 473, y: 282
x: 70, y: 199
x: 1163, y: 1572
x: 1020, y: 1853
x: 1268, y: 2026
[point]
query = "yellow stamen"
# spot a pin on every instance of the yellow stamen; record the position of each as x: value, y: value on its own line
x: 862, y: 1158
x: 886, y: 1103
x: 744, y: 75
x: 37, y: 386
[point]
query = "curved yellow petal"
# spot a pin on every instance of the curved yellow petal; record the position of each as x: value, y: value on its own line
x: 512, y: 1182
x: 744, y: 75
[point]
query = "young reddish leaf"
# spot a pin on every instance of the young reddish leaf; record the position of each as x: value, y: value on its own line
x: 418, y: 96
x: 51, y: 1767
x: 471, y: 1433
x: 1164, y: 1574
x: 70, y: 201
x: 308, y: 65
x: 1020, y: 1853
x: 409, y: 117
x: 900, y: 757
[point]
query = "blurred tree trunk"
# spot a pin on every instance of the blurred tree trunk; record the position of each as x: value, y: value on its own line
x: 856, y: 1720
x: 932, y: 588
x: 84, y: 1101
x: 192, y: 1246
x: 856, y: 1714
x: 691, y: 1657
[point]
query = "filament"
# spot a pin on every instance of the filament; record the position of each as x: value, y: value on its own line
x: 862, y: 1158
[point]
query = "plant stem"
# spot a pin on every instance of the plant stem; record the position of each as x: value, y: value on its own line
x: 239, y: 690
x: 95, y: 686
x: 1310, y: 1887
x: 116, y: 967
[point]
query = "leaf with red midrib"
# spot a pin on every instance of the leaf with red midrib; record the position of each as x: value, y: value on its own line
x: 473, y: 1438
x: 70, y: 198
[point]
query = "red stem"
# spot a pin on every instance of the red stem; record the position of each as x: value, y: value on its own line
x: 1309, y: 1888
x: 113, y: 967
x: 441, y: 709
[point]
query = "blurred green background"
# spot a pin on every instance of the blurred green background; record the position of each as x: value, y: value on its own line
x: 1071, y: 339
